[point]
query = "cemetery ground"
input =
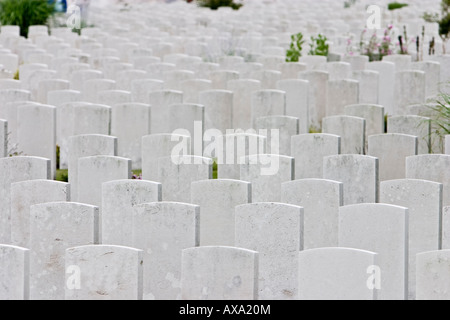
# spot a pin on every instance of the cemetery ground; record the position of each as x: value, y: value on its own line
x: 224, y: 150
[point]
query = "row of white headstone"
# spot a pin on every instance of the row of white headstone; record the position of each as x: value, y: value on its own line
x: 311, y: 214
x: 142, y: 81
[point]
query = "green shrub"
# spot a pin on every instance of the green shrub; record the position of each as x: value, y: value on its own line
x: 396, y: 5
x: 443, y: 20
x: 216, y: 4
x: 319, y: 46
x: 25, y: 13
x: 296, y: 47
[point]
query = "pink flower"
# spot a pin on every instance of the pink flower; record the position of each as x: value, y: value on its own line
x: 387, y: 38
x: 390, y: 27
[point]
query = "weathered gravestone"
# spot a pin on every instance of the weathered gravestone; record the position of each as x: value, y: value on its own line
x: 55, y: 227
x: 383, y: 229
x: 86, y: 146
x: 320, y: 200
x: 432, y: 275
x: 392, y: 164
x: 424, y: 202
x: 118, y: 201
x: 14, y: 273
x: 335, y: 274
x: 105, y: 273
x: 26, y: 194
x: 12, y: 170
x: 309, y: 150
x: 217, y: 200
x: 359, y: 175
x: 219, y: 273
x: 274, y: 230
x: 163, y: 230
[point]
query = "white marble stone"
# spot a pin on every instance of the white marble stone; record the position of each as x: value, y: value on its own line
x: 91, y: 119
x: 27, y: 193
x: 278, y: 257
x: 432, y: 71
x: 320, y: 200
x: 160, y: 102
x: 46, y: 86
x: 268, y: 103
x: 218, y: 109
x: 14, y: 273
x: 94, y: 171
x: 297, y: 101
x: 243, y: 90
x: 119, y: 198
x: 220, y: 78
x: 163, y: 230
x: 36, y: 132
x: 383, y: 229
x: 339, y: 70
x: 413, y: 125
x: 424, y: 202
x: 317, y: 95
x: 140, y: 89
x: 267, y: 172
x: 392, y: 163
x: 278, y: 130
x: 106, y: 273
x: 92, y: 87
x: 360, y: 175
x: 386, y: 87
x: 219, y: 273
x: 351, y: 130
x: 433, y: 167
x: 55, y: 227
x: 340, y: 94
x: 129, y: 123
x: 217, y: 200
x: 432, y: 275
x: 176, y: 174
x: 335, y: 274
x: 17, y: 169
x: 86, y: 146
x: 3, y: 138
x: 409, y: 90
x: 112, y: 97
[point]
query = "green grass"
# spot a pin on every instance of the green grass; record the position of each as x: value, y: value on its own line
x: 396, y: 5
x: 62, y: 175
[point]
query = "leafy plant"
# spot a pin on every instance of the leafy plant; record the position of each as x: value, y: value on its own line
x: 295, y: 51
x: 216, y: 4
x: 443, y: 20
x: 319, y: 46
x: 62, y: 175
x: 396, y: 5
x: 25, y: 13
x: 374, y: 48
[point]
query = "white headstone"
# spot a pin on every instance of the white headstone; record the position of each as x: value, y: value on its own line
x: 383, y: 229
x: 413, y: 125
x: 433, y: 167
x: 3, y: 138
x: 92, y: 87
x: 297, y: 101
x: 220, y: 78
x: 192, y: 88
x: 309, y: 150
x: 217, y: 200
x: 320, y: 200
x: 267, y: 172
x: 368, y: 85
x: 432, y: 275
x: 177, y: 173
x: 106, y: 273
x: 392, y: 149
x: 268, y: 103
x: 112, y: 97
x: 129, y: 123
x: 140, y: 88
x: 12, y: 170
x: 55, y: 227
x: 278, y: 257
x: 424, y: 202
x: 340, y: 94
x: 94, y: 171
x: 46, y: 86
x: 118, y: 201
x: 432, y: 71
x: 386, y: 87
x: 163, y: 230
x: 318, y: 94
x: 160, y: 101
x: 339, y: 70
x: 359, y: 175
x: 218, y: 109
x: 350, y: 129
x: 14, y: 273
x: 335, y: 274
x: 27, y: 193
x: 409, y: 90
x: 91, y: 119
x: 243, y: 90
x: 36, y: 132
x: 219, y: 273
